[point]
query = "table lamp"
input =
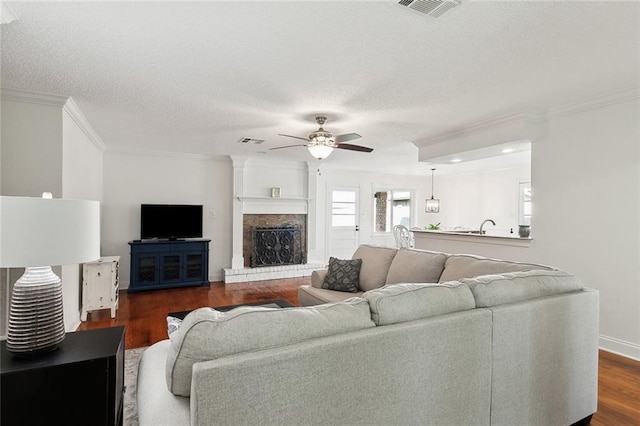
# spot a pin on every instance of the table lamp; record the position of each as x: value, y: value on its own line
x: 36, y: 233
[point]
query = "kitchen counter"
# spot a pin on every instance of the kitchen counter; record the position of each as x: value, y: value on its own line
x: 512, y: 248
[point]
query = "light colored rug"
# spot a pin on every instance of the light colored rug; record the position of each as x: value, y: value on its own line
x: 131, y: 360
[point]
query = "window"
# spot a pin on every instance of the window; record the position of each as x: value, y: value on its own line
x: 343, y: 208
x: 525, y: 204
x: 392, y: 208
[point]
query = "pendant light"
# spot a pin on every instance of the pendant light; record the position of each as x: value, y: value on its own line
x: 432, y: 205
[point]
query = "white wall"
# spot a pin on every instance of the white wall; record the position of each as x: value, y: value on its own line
x: 31, y: 148
x: 586, y: 184
x: 45, y: 149
x: 81, y: 180
x: 131, y: 179
x: 81, y: 163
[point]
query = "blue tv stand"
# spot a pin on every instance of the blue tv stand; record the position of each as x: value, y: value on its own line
x: 157, y: 264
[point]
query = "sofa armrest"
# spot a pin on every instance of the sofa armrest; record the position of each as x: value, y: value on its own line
x: 317, y: 277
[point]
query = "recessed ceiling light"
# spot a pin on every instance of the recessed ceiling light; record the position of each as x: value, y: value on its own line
x: 456, y: 160
x: 507, y: 150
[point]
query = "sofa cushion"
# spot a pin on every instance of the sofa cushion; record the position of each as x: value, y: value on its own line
x: 499, y: 289
x: 375, y: 265
x: 459, y: 266
x: 207, y: 334
x: 309, y: 295
x: 416, y: 266
x: 317, y: 277
x: 343, y: 275
x: 411, y: 301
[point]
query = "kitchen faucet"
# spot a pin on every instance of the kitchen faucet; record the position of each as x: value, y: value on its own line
x: 482, y: 225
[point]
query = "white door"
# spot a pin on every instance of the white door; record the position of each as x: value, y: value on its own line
x: 342, y: 223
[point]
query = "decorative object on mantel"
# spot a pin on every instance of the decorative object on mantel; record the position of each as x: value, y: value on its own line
x: 322, y: 143
x: 524, y: 231
x: 36, y: 233
x: 275, y: 192
x: 432, y: 205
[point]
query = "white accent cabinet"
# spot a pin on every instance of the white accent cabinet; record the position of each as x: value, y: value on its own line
x: 100, y: 283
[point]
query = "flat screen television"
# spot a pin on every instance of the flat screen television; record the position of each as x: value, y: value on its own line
x: 170, y: 221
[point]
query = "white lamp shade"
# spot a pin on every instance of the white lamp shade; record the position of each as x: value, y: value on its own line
x: 320, y: 151
x: 45, y: 232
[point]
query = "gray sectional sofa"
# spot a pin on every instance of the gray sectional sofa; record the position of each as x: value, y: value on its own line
x: 429, y: 339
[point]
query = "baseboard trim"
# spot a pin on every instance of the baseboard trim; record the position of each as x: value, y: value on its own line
x: 74, y: 326
x: 216, y: 277
x: 620, y: 347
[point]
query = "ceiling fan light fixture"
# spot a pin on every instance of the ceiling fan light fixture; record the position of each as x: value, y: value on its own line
x: 320, y: 136
x: 322, y: 143
x: 320, y: 151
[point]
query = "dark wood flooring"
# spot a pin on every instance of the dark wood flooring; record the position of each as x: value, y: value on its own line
x: 144, y: 316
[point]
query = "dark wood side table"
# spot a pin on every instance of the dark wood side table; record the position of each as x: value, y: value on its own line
x: 79, y: 383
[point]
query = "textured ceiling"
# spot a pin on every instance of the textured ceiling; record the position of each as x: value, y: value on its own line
x: 196, y: 77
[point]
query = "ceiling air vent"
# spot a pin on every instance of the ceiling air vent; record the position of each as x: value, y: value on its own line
x: 433, y: 8
x: 251, y: 140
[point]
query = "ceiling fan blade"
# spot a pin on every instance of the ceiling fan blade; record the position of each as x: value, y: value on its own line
x: 295, y: 137
x: 353, y: 147
x: 288, y: 146
x: 347, y: 137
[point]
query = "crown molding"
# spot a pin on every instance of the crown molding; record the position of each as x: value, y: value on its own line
x: 612, y: 98
x: 64, y: 102
x: 520, y: 126
x: 238, y: 161
x: 32, y: 97
x: 78, y: 117
x: 485, y: 125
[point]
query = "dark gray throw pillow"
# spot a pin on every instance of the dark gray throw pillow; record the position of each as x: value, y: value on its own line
x: 343, y: 275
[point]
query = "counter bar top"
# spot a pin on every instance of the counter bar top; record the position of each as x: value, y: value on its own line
x: 425, y: 235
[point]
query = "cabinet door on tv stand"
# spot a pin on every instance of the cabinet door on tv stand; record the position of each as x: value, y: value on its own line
x: 194, y: 264
x: 170, y: 268
x: 146, y: 271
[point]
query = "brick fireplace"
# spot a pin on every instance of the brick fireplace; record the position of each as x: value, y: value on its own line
x: 274, y: 239
x: 283, y: 249
x: 286, y: 222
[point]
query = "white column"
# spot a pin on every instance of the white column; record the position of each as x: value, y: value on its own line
x: 312, y: 215
x: 237, y: 259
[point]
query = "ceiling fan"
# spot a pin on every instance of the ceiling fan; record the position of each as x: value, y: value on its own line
x: 322, y: 143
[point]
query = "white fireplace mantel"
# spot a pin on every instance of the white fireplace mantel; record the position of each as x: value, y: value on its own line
x: 273, y: 205
x: 246, y: 203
